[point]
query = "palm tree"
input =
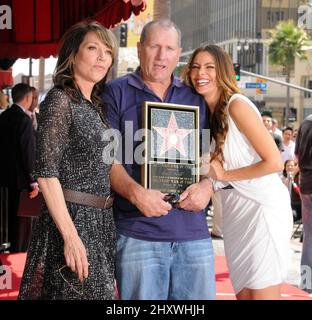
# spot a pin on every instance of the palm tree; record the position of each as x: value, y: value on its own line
x: 288, y: 42
x: 161, y: 9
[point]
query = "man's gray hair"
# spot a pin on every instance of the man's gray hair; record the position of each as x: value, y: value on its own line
x: 163, y: 23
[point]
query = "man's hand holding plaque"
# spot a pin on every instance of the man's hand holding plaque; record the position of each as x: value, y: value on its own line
x: 171, y: 159
x: 151, y: 203
x: 196, y: 197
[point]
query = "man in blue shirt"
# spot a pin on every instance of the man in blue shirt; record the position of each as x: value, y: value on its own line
x: 162, y: 252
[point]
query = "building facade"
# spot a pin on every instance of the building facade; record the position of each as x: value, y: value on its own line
x: 244, y: 29
x: 303, y: 77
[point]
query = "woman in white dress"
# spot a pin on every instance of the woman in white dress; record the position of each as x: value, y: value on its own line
x: 256, y: 209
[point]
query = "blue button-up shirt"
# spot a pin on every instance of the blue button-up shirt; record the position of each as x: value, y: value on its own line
x: 124, y: 98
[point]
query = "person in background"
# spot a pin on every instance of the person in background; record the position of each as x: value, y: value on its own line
x: 256, y: 211
x: 162, y: 252
x: 267, y: 121
x: 288, y: 144
x: 72, y: 250
x: 3, y: 101
x: 26, y: 222
x: 17, y: 145
x: 291, y: 180
x: 34, y: 108
x: 294, y: 136
x: 275, y: 128
x: 303, y: 152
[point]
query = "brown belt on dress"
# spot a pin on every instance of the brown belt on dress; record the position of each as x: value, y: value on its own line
x: 88, y: 199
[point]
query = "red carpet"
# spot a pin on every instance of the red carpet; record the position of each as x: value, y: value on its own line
x: 224, y: 288
x: 15, y: 264
x: 226, y: 292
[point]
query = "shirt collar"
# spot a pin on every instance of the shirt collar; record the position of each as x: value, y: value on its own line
x: 136, y: 80
x: 21, y: 107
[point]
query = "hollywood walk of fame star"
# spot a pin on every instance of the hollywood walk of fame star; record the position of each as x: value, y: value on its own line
x: 173, y: 136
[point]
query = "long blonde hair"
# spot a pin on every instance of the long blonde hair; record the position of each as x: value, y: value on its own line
x: 225, y: 77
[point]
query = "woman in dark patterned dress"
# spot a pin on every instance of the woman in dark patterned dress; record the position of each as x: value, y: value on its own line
x: 72, y: 250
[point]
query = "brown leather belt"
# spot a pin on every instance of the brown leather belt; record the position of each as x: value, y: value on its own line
x: 88, y: 199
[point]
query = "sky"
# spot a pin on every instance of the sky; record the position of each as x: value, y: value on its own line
x: 22, y: 66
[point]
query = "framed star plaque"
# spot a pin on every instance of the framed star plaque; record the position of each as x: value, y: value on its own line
x: 171, y: 154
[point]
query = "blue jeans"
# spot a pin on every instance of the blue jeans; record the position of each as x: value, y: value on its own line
x: 165, y: 270
x: 306, y: 258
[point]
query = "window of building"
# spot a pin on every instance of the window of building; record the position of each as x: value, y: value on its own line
x: 307, y: 84
x: 307, y: 112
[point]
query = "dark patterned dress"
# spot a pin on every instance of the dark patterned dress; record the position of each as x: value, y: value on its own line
x: 70, y: 147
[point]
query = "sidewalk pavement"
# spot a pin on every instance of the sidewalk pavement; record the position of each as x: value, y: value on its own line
x: 296, y: 249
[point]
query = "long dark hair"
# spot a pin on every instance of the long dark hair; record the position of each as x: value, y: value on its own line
x: 225, y: 77
x: 63, y: 76
x: 285, y: 166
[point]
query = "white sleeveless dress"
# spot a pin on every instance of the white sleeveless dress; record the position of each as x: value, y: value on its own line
x: 257, y: 218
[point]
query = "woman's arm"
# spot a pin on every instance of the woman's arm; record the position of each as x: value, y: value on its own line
x: 249, y: 124
x: 74, y: 250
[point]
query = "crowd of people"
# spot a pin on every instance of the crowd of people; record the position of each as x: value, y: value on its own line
x: 101, y: 234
